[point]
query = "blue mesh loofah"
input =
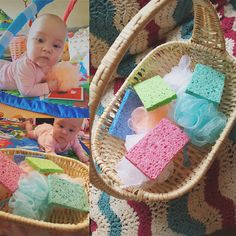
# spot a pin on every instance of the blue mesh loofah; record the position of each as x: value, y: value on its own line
x: 200, y: 119
x: 119, y: 127
x: 31, y: 198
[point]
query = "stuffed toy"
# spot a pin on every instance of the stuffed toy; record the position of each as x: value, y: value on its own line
x: 67, y: 75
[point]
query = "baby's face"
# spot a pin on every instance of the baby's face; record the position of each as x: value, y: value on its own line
x: 46, y: 42
x: 65, y: 130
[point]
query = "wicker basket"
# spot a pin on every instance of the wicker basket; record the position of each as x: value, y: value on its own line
x: 61, y: 220
x: 17, y: 47
x: 206, y: 46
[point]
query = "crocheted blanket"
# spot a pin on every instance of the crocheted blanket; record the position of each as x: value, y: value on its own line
x: 211, y: 205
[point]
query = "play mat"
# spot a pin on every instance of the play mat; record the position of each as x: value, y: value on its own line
x: 13, y: 136
x: 209, y: 208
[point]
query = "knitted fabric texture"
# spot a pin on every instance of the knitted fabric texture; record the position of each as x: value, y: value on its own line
x: 108, y: 18
x: 43, y: 165
x: 65, y: 194
x: 153, y: 152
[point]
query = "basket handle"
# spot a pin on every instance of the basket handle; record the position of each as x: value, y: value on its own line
x: 206, y: 32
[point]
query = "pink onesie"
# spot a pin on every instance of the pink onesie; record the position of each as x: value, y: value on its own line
x: 43, y: 133
x: 24, y: 75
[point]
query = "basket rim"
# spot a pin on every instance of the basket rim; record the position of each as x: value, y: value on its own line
x: 125, y: 194
x: 39, y: 223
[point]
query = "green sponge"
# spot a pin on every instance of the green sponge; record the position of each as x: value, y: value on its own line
x: 63, y: 193
x: 44, y: 165
x: 207, y: 83
x: 154, y: 92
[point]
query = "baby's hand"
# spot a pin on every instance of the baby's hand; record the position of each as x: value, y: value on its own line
x: 53, y: 85
x: 84, y: 159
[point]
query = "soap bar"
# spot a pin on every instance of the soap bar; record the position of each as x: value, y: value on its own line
x: 154, y: 92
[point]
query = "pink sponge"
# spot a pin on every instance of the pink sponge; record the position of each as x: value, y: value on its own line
x: 9, y: 173
x: 153, y: 152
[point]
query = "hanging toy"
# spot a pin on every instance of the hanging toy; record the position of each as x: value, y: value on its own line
x: 69, y: 9
x: 26, y: 15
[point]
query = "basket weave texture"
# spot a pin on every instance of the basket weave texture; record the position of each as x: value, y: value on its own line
x: 206, y: 46
x: 62, y: 220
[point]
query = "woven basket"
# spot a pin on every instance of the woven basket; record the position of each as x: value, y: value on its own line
x: 63, y: 220
x: 206, y: 46
x: 17, y: 47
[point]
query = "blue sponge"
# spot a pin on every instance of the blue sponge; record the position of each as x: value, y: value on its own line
x: 207, y: 83
x: 119, y: 127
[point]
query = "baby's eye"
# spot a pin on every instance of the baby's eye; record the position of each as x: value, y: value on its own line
x: 71, y: 130
x: 56, y: 46
x: 40, y: 40
x: 61, y: 126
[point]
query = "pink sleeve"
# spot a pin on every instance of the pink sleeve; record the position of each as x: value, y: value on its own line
x: 49, y: 145
x: 78, y: 148
x: 27, y: 83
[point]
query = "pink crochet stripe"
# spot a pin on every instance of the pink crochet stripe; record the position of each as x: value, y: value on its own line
x: 145, y: 217
x: 118, y: 83
x: 215, y: 199
x: 93, y: 226
x: 227, y: 24
x: 151, y: 27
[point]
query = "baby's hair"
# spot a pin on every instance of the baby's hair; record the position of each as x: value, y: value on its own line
x: 49, y: 16
x: 79, y: 121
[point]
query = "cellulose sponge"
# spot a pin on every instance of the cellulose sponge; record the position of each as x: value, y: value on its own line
x: 63, y: 193
x: 158, y: 147
x: 207, y: 83
x: 44, y: 165
x: 154, y: 92
x: 119, y: 127
x: 9, y: 174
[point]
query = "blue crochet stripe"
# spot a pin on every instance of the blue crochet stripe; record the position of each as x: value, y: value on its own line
x: 112, y: 218
x: 35, y: 105
x: 182, y: 10
x: 233, y: 3
x: 180, y: 221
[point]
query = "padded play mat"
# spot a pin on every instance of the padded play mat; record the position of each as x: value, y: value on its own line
x: 57, y: 108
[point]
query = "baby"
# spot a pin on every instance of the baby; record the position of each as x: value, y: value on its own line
x: 45, y: 45
x: 59, y: 137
